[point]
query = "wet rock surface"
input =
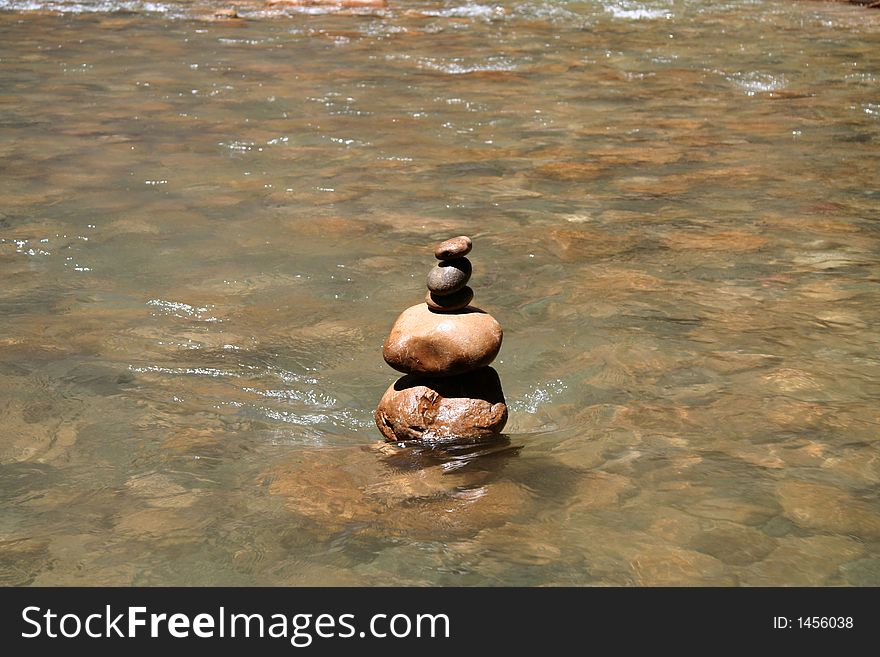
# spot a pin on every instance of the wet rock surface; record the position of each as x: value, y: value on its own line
x: 451, y: 302
x: 469, y: 407
x: 456, y: 247
x: 434, y: 344
x: 449, y: 276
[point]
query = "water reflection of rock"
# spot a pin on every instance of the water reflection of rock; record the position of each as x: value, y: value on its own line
x: 418, y: 492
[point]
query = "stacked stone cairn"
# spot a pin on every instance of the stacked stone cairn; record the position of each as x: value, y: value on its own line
x: 444, y: 346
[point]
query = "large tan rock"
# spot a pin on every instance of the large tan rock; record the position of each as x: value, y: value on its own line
x: 466, y: 407
x: 442, y: 344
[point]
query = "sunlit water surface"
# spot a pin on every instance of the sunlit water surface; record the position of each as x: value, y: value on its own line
x: 208, y: 226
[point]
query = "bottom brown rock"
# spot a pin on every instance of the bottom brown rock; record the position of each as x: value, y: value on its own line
x: 467, y: 407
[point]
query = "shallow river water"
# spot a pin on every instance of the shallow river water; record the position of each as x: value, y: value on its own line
x: 207, y: 228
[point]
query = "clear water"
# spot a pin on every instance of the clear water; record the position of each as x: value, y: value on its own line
x: 208, y: 226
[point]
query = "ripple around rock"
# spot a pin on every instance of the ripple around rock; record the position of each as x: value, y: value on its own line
x: 468, y: 407
x: 435, y: 344
x: 449, y: 276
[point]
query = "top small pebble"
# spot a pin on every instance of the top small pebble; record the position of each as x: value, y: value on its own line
x: 457, y: 247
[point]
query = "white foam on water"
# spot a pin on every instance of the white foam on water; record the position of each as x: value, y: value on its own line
x: 95, y: 7
x: 458, y: 66
x: 557, y: 13
x: 182, y: 310
x: 753, y: 82
x: 636, y: 12
x: 538, y: 396
x: 469, y: 10
x: 212, y: 372
x: 179, y: 9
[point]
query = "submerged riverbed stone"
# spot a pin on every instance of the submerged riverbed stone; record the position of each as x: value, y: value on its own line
x: 435, y: 344
x: 804, y: 561
x: 450, y: 302
x: 449, y: 276
x: 455, y: 247
x: 828, y: 508
x: 466, y: 407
